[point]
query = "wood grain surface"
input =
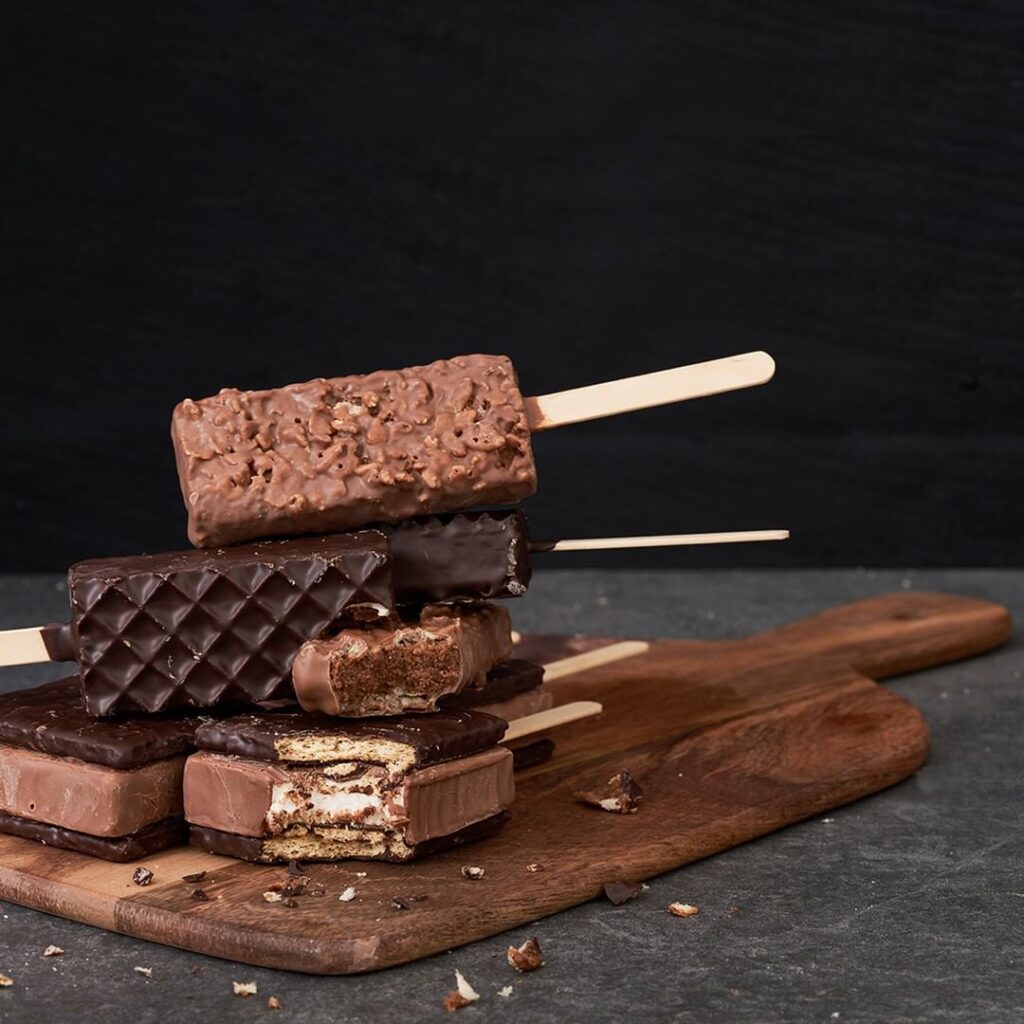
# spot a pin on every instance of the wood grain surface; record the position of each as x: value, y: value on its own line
x: 730, y: 740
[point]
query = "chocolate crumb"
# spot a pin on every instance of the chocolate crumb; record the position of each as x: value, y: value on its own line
x: 199, y: 895
x: 53, y: 951
x: 295, y: 868
x: 142, y: 876
x: 399, y: 904
x: 621, y: 892
x: 273, y: 1003
x: 244, y: 988
x: 533, y: 868
x: 621, y: 794
x: 194, y: 879
x: 526, y: 957
x: 290, y: 901
x: 472, y: 871
x: 463, y: 995
x: 682, y: 910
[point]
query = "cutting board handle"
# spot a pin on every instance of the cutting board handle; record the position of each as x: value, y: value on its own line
x: 894, y: 633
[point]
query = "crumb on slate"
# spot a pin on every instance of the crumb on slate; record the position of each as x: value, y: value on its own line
x: 244, y: 988
x: 526, y: 957
x: 53, y: 951
x: 146, y: 972
x: 5, y: 982
x: 463, y: 995
x: 683, y: 909
x: 273, y: 1003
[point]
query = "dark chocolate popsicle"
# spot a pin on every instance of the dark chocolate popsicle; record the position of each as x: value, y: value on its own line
x: 198, y: 628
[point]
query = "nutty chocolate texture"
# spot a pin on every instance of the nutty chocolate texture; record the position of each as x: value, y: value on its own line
x: 334, y: 454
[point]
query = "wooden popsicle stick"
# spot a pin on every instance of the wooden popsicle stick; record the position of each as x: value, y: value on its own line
x: 648, y: 390
x: 541, y: 721
x: 668, y: 540
x: 23, y: 646
x: 592, y: 659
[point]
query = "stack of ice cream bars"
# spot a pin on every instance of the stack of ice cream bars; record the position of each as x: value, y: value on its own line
x: 340, y: 694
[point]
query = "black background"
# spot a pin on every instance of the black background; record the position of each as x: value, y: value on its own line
x: 254, y: 194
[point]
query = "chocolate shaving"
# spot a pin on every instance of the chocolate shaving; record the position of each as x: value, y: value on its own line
x: 194, y: 878
x: 621, y: 892
x: 200, y: 896
x: 526, y: 957
x: 295, y: 868
x: 621, y: 794
x: 142, y: 876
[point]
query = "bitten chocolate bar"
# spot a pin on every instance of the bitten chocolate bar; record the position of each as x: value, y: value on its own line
x: 278, y: 787
x: 404, y: 664
x: 337, y: 454
x: 108, y: 788
x: 203, y: 628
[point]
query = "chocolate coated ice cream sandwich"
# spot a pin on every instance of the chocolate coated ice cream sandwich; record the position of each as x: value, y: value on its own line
x: 287, y: 786
x: 110, y: 788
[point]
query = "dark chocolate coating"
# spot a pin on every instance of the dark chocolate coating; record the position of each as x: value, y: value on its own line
x: 251, y: 847
x: 51, y: 719
x: 532, y: 755
x: 471, y: 554
x: 504, y: 681
x: 199, y: 628
x: 440, y: 736
x: 153, y: 838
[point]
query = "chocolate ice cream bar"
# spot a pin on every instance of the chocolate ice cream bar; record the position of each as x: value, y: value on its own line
x: 278, y: 787
x: 109, y: 788
x: 157, y: 631
x: 406, y: 664
x: 336, y: 454
x: 341, y: 453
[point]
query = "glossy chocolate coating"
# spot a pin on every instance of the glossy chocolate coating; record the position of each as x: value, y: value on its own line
x: 252, y: 848
x: 200, y: 628
x: 433, y: 738
x: 51, y: 719
x: 337, y: 454
x: 469, y: 554
x: 505, y: 680
x: 151, y: 839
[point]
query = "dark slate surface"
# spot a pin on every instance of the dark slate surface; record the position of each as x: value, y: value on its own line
x: 905, y: 907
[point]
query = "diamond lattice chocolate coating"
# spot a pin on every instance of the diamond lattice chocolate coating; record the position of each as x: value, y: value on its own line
x: 195, y: 629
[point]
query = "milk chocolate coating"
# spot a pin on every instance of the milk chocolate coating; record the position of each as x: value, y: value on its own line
x: 336, y: 454
x: 88, y: 797
x: 280, y: 736
x: 51, y: 719
x: 465, y: 555
x: 161, y: 836
x: 263, y: 798
x: 200, y: 628
x: 404, y: 664
x: 261, y: 849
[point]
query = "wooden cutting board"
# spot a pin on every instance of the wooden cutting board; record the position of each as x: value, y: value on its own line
x: 730, y: 740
